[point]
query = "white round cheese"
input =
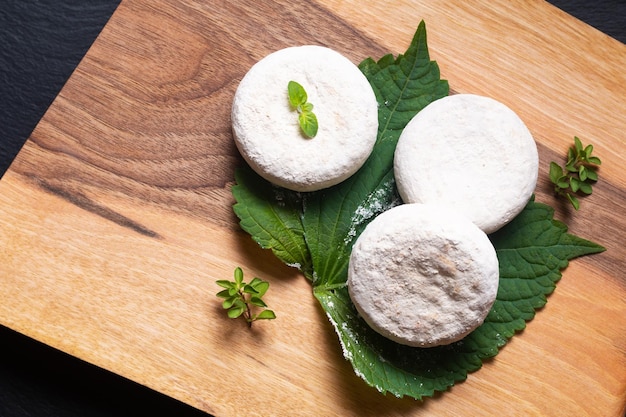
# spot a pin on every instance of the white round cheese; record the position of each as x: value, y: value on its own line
x: 423, y: 275
x: 266, y: 128
x: 469, y: 152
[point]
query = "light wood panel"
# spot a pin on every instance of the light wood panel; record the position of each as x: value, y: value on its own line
x: 115, y: 219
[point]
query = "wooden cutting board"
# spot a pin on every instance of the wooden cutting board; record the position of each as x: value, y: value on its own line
x: 115, y: 218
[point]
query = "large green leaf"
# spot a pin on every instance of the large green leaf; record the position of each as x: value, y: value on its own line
x: 335, y: 217
x: 271, y: 215
x: 316, y: 231
x: 531, y: 250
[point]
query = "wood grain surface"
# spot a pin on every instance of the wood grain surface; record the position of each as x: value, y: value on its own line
x: 116, y: 219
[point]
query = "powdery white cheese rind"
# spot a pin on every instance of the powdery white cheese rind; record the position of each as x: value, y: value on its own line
x: 469, y: 152
x: 423, y: 275
x: 266, y: 128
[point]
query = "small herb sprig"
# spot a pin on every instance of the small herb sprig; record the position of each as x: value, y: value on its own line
x: 299, y: 101
x: 580, y: 173
x: 240, y: 298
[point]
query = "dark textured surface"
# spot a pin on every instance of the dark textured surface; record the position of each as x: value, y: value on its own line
x: 608, y: 16
x: 36, y: 380
x: 41, y: 42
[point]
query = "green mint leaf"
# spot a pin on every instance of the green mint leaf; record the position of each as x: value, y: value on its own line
x: 238, y: 277
x: 298, y: 100
x: 257, y: 301
x: 308, y: 123
x: 249, y: 289
x: 271, y: 215
x: 266, y: 315
x: 572, y: 199
x: 592, y: 174
x: 235, y: 312
x: 228, y: 303
x: 224, y: 283
x: 594, y: 160
x: 556, y: 173
x: 260, y: 286
x: 578, y: 146
x: 586, y: 188
x: 297, y: 94
x: 306, y: 107
x: 224, y: 294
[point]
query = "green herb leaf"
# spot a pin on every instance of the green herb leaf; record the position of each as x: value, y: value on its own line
x: 594, y: 160
x: 228, y: 303
x: 592, y: 174
x: 257, y: 301
x: 235, y: 312
x: 574, y: 201
x: 260, y: 286
x: 308, y: 123
x: 297, y: 94
x: 266, y: 315
x: 579, y: 175
x: 555, y: 172
x: 298, y: 100
x: 224, y: 283
x: 238, y: 277
x: 224, y: 294
x: 241, y: 298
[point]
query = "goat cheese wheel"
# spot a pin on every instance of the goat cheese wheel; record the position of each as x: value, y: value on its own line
x: 266, y: 128
x: 469, y: 152
x: 423, y: 275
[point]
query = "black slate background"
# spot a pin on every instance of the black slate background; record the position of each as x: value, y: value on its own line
x: 41, y: 42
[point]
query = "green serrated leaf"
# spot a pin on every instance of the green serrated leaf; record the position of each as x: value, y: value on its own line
x: 531, y: 250
x: 271, y: 215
